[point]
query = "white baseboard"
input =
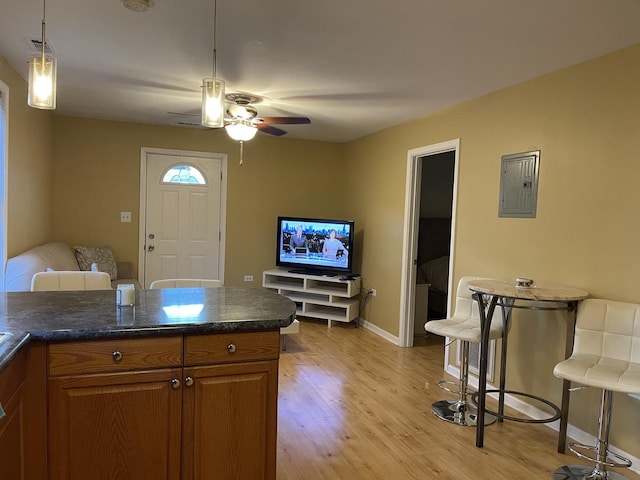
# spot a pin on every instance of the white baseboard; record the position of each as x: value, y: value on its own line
x: 575, y: 433
x: 378, y: 331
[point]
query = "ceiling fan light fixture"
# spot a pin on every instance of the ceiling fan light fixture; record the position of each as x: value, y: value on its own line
x: 241, y: 130
x: 42, y: 75
x: 213, y: 102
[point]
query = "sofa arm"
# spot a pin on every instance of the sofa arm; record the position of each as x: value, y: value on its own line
x: 125, y: 269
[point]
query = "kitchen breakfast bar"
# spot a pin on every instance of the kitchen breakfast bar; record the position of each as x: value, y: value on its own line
x: 181, y: 385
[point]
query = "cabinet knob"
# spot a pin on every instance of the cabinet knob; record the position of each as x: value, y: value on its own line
x: 231, y: 348
x: 117, y: 356
x: 188, y: 381
x: 175, y: 383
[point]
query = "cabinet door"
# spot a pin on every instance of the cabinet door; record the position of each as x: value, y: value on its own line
x: 13, y: 429
x: 230, y: 416
x: 12, y: 436
x: 117, y: 426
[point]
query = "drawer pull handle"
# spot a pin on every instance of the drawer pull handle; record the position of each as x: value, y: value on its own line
x: 175, y: 383
x: 117, y: 356
x: 231, y: 348
x: 188, y: 381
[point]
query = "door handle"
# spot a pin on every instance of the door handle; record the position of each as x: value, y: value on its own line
x: 151, y: 248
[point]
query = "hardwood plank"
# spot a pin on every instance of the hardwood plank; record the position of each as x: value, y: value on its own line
x: 352, y: 405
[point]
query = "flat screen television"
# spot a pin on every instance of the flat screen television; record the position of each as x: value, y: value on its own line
x: 315, y: 246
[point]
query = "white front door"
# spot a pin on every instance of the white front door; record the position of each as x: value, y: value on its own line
x: 183, y: 217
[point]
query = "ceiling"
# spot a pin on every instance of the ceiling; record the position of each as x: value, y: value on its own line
x: 353, y: 67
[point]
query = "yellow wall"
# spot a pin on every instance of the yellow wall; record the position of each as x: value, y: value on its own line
x: 586, y: 122
x: 30, y: 168
x: 97, y: 175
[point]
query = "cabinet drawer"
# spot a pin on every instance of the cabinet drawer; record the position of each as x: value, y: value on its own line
x: 114, y: 355
x: 231, y: 347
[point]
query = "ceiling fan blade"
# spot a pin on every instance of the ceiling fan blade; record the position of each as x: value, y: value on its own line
x: 263, y: 127
x: 285, y: 120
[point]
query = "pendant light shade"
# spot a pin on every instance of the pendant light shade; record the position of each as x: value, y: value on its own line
x: 42, y: 75
x: 213, y: 88
x: 42, y: 82
x: 241, y: 130
x: 213, y: 102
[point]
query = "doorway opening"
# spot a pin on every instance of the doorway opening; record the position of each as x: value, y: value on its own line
x: 439, y: 161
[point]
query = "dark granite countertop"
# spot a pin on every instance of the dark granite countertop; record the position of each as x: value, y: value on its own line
x: 86, y: 315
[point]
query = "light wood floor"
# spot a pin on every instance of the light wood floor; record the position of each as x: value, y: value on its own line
x: 354, y: 406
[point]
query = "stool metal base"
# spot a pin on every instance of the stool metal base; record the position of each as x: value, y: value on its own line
x: 585, y: 472
x: 453, y: 411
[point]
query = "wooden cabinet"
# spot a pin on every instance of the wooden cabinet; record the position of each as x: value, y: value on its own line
x: 230, y: 417
x: 199, y: 408
x: 230, y: 406
x: 13, y: 434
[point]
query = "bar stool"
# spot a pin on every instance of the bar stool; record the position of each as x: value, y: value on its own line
x: 606, y: 355
x: 464, y: 325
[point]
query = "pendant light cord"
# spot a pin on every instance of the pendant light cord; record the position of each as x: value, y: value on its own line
x: 44, y: 11
x: 215, y: 33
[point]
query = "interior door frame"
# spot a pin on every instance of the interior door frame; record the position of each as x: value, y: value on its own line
x: 144, y: 153
x: 410, y: 240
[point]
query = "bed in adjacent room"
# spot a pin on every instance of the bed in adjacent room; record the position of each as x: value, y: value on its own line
x: 434, y: 238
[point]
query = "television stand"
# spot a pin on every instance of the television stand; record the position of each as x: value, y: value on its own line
x: 315, y: 296
x: 316, y: 273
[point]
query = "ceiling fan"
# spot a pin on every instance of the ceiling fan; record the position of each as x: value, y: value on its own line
x: 242, y: 117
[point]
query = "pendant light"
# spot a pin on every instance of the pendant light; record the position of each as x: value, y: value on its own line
x: 213, y: 88
x: 42, y: 75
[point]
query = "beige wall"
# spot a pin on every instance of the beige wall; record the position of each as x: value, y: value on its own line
x: 30, y: 168
x: 586, y: 122
x: 97, y: 175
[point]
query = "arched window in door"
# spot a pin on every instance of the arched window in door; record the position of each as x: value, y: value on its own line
x: 185, y: 174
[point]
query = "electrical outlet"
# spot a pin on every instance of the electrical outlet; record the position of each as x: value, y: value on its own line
x: 248, y: 278
x: 125, y: 217
x: 373, y: 292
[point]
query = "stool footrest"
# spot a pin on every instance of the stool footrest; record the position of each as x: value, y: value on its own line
x: 452, y: 387
x: 578, y: 449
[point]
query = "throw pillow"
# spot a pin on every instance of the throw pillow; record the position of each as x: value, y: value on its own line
x: 101, y: 256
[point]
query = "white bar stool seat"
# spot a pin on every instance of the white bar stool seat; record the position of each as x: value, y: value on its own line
x: 70, y: 280
x: 186, y: 283
x: 464, y: 325
x: 606, y: 355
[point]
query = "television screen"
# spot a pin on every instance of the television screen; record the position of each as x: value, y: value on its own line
x: 312, y: 245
